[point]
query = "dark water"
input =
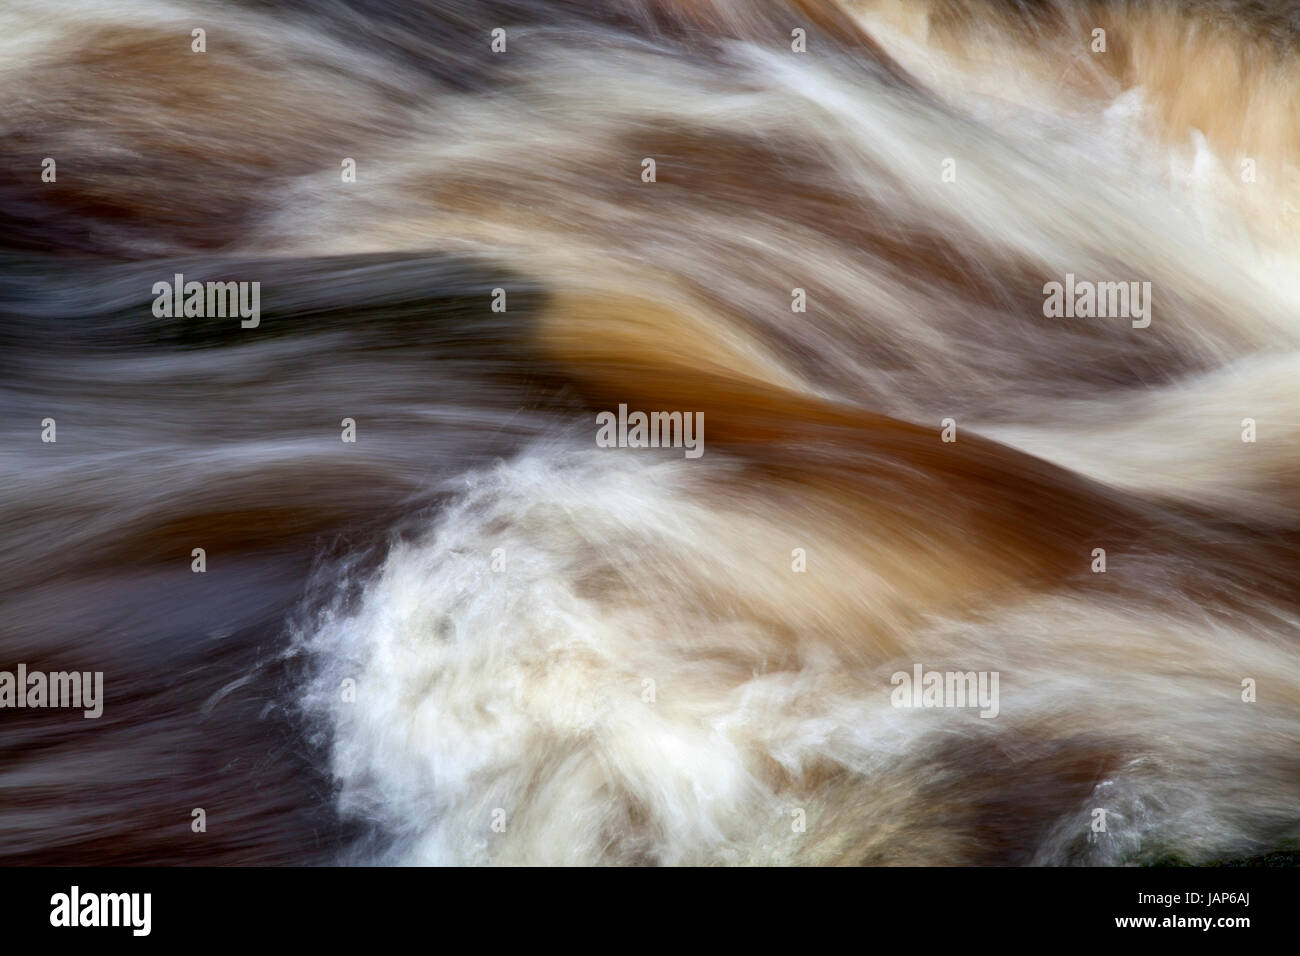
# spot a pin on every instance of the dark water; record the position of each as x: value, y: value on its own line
x: 172, y: 436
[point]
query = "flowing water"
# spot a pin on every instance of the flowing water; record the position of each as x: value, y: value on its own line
x: 475, y: 635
